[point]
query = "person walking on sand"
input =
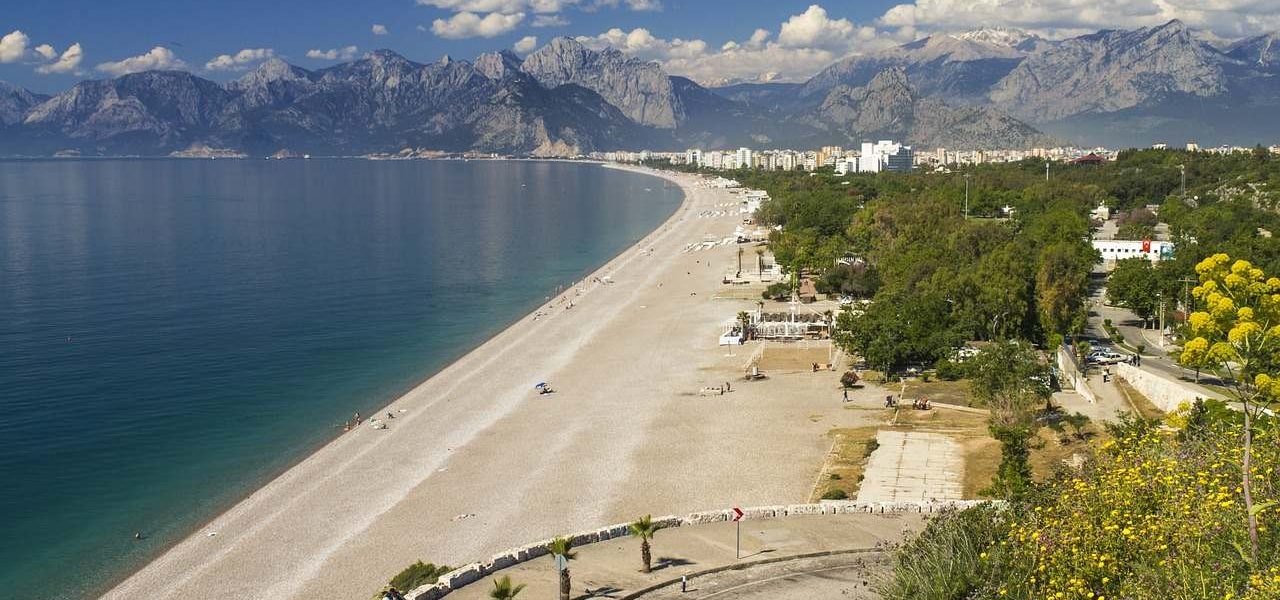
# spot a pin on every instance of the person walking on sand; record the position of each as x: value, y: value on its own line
x: 846, y: 394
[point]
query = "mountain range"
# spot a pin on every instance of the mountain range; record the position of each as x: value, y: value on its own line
x: 981, y: 89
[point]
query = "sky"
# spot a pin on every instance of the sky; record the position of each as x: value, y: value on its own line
x: 48, y: 46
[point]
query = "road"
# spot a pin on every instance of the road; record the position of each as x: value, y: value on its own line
x: 848, y: 576
x: 1153, y: 358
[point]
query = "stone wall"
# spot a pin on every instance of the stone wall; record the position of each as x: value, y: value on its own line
x: 474, y: 572
x: 1070, y: 375
x: 1165, y: 392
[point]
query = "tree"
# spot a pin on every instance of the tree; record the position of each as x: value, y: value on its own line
x: 562, y: 547
x: 1135, y: 285
x: 1239, y: 332
x: 1009, y: 379
x: 644, y: 528
x: 503, y: 589
x: 1061, y: 286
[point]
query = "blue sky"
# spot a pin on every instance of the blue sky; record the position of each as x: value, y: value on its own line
x: 51, y: 44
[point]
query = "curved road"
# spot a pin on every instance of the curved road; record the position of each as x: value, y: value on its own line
x: 845, y: 576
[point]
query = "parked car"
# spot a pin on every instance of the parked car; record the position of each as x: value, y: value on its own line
x: 1106, y: 357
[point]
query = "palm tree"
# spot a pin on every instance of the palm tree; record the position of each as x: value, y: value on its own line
x: 744, y: 318
x: 562, y: 547
x: 644, y: 528
x: 503, y: 589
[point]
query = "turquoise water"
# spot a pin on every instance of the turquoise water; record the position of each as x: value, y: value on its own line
x: 174, y: 333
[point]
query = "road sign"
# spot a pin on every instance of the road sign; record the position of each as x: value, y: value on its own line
x: 562, y: 563
x: 737, y: 543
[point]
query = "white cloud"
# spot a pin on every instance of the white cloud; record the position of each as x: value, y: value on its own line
x: 158, y: 58
x: 380, y: 29
x: 13, y: 46
x: 239, y: 60
x: 68, y: 62
x: 46, y: 51
x: 1059, y: 18
x: 641, y: 43
x: 507, y: 7
x: 814, y: 29
x: 644, y: 4
x: 805, y: 44
x: 469, y: 25
x: 346, y: 53
x: 526, y: 44
x: 549, y: 21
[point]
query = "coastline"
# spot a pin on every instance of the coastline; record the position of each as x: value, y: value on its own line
x: 478, y: 462
x: 108, y: 588
x: 115, y: 586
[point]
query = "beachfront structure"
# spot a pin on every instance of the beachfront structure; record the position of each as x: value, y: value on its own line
x: 1114, y: 250
x: 790, y: 326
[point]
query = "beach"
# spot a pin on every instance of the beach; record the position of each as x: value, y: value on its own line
x: 475, y: 460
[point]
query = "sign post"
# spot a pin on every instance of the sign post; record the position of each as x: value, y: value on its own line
x: 737, y: 546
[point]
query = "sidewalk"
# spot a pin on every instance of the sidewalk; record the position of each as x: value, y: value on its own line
x: 612, y: 569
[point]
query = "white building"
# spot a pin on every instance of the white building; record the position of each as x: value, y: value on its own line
x: 1114, y: 250
x: 743, y: 159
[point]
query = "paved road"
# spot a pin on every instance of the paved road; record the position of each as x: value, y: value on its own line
x: 913, y: 466
x: 846, y: 576
x: 1154, y: 358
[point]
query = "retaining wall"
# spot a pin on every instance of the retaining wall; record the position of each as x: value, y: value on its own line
x: 1069, y: 373
x: 1165, y: 392
x: 474, y: 572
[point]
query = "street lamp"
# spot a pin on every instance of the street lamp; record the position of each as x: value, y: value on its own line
x: 966, y: 196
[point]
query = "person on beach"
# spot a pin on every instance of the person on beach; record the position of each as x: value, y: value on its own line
x: 846, y: 394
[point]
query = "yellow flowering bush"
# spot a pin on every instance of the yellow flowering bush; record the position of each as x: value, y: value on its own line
x: 1154, y: 514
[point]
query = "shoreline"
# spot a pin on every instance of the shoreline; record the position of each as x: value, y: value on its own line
x: 109, y: 589
x: 103, y: 590
x: 478, y: 462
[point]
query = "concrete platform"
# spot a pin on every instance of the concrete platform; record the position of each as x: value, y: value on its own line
x: 913, y: 466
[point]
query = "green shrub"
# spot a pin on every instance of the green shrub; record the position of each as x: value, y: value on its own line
x: 945, y: 562
x: 835, y: 495
x: 777, y: 291
x: 948, y: 370
x: 417, y: 575
x: 872, y: 445
x: 849, y: 379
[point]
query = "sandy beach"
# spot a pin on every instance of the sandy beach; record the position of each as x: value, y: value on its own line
x: 476, y: 461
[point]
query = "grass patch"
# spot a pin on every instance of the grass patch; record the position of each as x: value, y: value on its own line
x: 946, y: 392
x: 418, y: 574
x: 846, y: 463
x: 1140, y: 403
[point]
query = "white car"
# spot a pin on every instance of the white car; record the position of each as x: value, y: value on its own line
x: 1106, y: 357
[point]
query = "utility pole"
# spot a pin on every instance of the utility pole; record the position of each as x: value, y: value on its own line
x: 966, y: 196
x: 1046, y: 169
x: 1183, y: 170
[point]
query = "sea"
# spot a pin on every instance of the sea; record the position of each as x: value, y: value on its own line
x: 175, y: 333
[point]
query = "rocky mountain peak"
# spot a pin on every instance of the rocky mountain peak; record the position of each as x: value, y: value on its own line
x: 273, y: 69
x: 498, y: 65
x: 640, y: 89
x: 15, y: 102
x: 996, y: 36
